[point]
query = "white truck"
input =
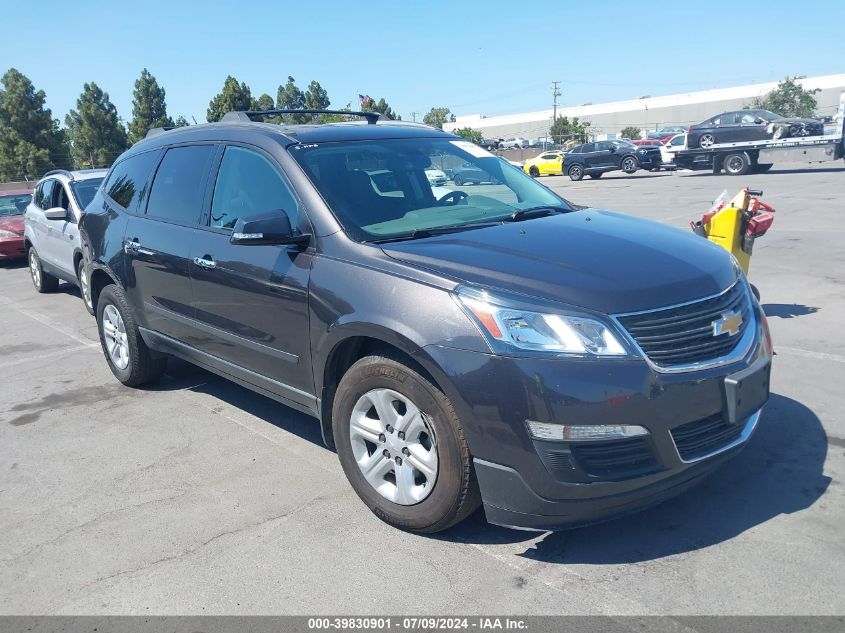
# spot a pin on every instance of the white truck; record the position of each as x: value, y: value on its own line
x: 759, y: 156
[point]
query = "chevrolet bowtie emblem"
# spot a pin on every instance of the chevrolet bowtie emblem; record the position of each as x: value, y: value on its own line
x: 729, y: 323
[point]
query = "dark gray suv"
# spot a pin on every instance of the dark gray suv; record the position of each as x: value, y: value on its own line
x: 459, y: 345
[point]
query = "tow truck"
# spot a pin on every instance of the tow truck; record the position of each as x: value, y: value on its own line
x: 745, y: 157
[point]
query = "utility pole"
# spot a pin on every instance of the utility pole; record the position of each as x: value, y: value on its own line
x: 414, y: 116
x: 555, y: 95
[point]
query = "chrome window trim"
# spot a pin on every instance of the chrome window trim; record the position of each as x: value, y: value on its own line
x: 742, y: 348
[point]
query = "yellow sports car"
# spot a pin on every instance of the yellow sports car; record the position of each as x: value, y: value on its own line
x: 544, y: 164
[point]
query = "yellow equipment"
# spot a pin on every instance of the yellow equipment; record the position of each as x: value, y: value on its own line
x: 735, y: 224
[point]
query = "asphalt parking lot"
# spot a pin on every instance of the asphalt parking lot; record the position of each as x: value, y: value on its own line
x: 200, y: 497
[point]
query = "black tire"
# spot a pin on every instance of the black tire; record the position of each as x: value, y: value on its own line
x: 455, y: 494
x: 630, y: 164
x: 755, y: 292
x: 762, y: 168
x: 596, y: 176
x: 144, y: 366
x: 534, y: 171
x: 43, y: 282
x: 737, y: 164
x: 84, y: 286
x: 576, y: 172
x: 458, y: 180
x: 706, y: 140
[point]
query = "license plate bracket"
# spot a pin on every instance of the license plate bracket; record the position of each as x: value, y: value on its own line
x: 746, y: 391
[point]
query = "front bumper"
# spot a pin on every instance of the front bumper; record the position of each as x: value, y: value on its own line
x: 12, y: 248
x: 537, y: 484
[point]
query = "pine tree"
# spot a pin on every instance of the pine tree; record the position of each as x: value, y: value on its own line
x: 290, y: 97
x: 436, y: 117
x: 30, y: 139
x: 234, y: 97
x: 316, y: 97
x: 149, y: 109
x: 381, y: 106
x: 96, y: 132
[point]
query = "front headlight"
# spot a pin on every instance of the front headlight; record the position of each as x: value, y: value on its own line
x: 8, y: 234
x: 508, y: 328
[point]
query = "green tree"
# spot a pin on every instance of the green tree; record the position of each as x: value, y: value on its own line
x: 436, y: 117
x: 563, y: 130
x: 290, y: 97
x: 96, y: 132
x: 149, y: 109
x: 789, y: 99
x: 181, y: 121
x: 474, y: 136
x: 630, y: 132
x: 30, y: 140
x: 381, y: 106
x: 234, y: 97
x: 316, y: 97
x: 264, y: 102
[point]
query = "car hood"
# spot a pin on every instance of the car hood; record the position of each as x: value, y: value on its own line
x: 13, y: 223
x: 598, y: 260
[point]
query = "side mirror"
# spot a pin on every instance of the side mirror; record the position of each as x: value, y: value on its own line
x: 758, y: 121
x: 56, y: 213
x: 268, y: 228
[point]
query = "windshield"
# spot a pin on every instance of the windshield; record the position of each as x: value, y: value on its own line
x: 378, y: 189
x: 14, y: 204
x: 85, y: 190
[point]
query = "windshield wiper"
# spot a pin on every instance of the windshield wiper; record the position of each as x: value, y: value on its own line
x: 536, y: 212
x: 437, y: 230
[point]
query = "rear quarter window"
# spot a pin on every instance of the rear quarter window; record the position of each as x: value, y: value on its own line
x: 128, y: 183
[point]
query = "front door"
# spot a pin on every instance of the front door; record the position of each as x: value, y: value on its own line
x: 63, y: 235
x: 251, y: 301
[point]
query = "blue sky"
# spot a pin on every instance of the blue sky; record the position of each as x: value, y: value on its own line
x: 491, y: 57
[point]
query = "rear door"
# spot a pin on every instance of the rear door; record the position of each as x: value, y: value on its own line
x: 251, y: 301
x: 727, y: 129
x: 158, y: 238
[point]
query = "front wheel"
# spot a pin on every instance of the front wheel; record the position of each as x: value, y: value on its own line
x: 128, y: 356
x: 43, y: 281
x: 458, y: 180
x: 402, y: 447
x: 630, y: 165
x: 576, y: 172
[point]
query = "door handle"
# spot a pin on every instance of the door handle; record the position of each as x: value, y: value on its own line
x: 205, y: 262
x: 131, y: 246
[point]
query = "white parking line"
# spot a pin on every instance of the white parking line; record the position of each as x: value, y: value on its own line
x: 61, y: 352
x: 55, y: 325
x: 795, y: 351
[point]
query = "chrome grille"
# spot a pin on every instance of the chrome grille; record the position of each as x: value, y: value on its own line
x: 683, y: 335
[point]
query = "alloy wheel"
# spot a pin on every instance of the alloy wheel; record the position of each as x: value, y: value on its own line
x: 34, y: 268
x: 706, y: 140
x: 84, y: 286
x: 114, y: 333
x: 394, y: 446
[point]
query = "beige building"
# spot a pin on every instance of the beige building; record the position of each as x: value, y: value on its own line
x: 648, y: 113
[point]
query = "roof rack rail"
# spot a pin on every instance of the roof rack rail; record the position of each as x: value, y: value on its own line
x: 59, y: 172
x: 155, y: 131
x: 245, y: 115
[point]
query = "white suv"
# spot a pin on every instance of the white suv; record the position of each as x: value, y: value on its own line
x: 51, y: 235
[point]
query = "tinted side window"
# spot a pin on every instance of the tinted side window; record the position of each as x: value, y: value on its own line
x: 44, y: 195
x: 128, y: 182
x: 178, y: 188
x: 589, y: 147
x: 247, y: 185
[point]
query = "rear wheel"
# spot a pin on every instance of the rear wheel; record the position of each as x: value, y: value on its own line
x: 737, y: 164
x: 534, y: 171
x: 706, y: 140
x: 128, y: 356
x: 402, y: 447
x: 576, y: 172
x: 84, y: 286
x: 43, y: 282
x: 630, y: 165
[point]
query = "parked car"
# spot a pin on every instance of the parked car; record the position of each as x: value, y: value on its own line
x: 595, y: 159
x: 544, y: 164
x: 469, y: 173
x: 514, y: 143
x: 665, y: 133
x: 749, y: 125
x: 560, y: 364
x: 673, y: 145
x: 436, y: 177
x: 13, y: 205
x: 52, y: 229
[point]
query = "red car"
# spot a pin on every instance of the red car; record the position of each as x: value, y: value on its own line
x: 12, y: 207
